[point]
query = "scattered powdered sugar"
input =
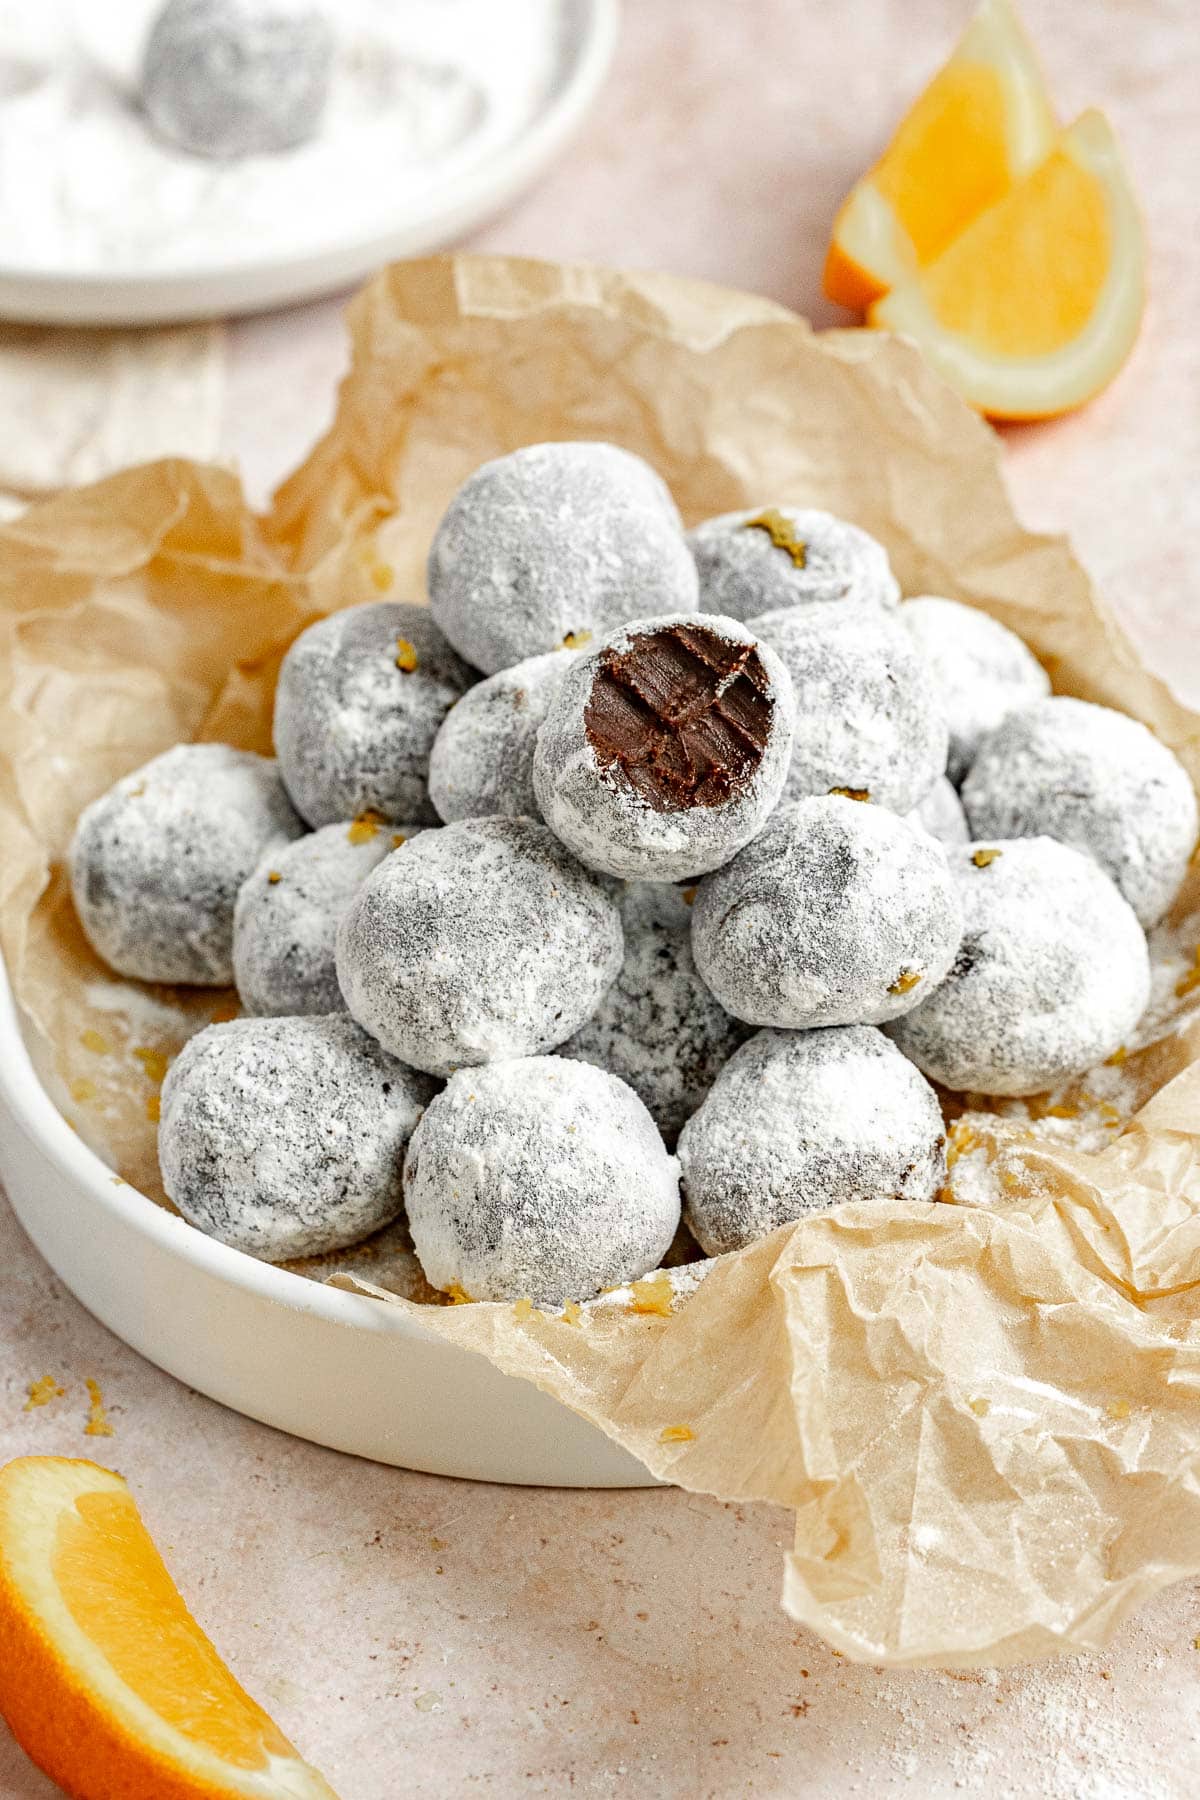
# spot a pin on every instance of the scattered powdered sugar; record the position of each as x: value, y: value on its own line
x: 538, y: 1179
x: 421, y: 93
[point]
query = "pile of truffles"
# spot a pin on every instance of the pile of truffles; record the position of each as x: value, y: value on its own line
x: 640, y: 868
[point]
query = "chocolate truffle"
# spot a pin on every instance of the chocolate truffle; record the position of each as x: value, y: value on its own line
x: 539, y: 1179
x: 286, y: 1137
x: 941, y: 814
x: 1095, y: 779
x: 801, y: 1121
x: 868, y: 722
x: 288, y: 912
x: 839, y: 913
x: 981, y: 671
x: 480, y: 941
x: 481, y: 763
x: 360, y: 699
x: 659, y: 1027
x: 1051, y: 976
x: 666, y: 747
x: 156, y: 863
x: 229, y: 78
x: 771, y: 557
x: 554, y: 544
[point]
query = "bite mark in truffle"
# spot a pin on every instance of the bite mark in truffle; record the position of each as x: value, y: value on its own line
x: 683, y: 714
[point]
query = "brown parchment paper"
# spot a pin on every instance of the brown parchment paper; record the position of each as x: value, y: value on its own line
x: 984, y: 1414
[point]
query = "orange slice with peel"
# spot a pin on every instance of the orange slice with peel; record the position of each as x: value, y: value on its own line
x: 983, y: 123
x: 1035, y: 306
x: 106, y: 1680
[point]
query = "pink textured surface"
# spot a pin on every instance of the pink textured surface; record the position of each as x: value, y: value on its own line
x: 433, y: 1638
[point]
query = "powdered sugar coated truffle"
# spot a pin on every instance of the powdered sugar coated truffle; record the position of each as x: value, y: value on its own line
x: 1050, y: 978
x: 867, y: 717
x: 1096, y: 779
x: 941, y: 814
x: 286, y: 1137
x: 981, y: 671
x: 539, y: 1179
x: 361, y: 696
x: 839, y: 913
x: 552, y: 543
x: 288, y: 912
x: 767, y: 558
x: 659, y: 1027
x: 230, y: 78
x: 801, y: 1121
x: 482, y: 758
x: 665, y: 748
x: 483, y: 940
x: 156, y: 863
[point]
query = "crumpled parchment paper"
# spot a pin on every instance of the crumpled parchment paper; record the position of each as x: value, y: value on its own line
x: 985, y: 1414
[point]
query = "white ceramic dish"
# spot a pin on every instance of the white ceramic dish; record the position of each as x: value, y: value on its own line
x: 336, y: 1368
x: 482, y: 176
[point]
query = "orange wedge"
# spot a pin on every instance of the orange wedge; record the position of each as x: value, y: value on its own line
x: 106, y: 1680
x: 983, y: 122
x: 1033, y: 308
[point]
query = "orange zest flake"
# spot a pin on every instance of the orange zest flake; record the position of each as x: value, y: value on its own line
x: 1189, y: 982
x: 980, y: 1406
x: 653, y: 1295
x: 274, y: 877
x: 905, y: 983
x: 154, y: 1063
x: 781, y: 532
x: 963, y: 1140
x: 97, y: 1419
x: 365, y: 827
x: 406, y: 656
x: 572, y: 1313
x: 1061, y: 1111
x: 382, y: 576
x: 689, y: 896
x: 458, y: 1296
x: 83, y: 1090
x: 93, y: 1041
x: 522, y: 1310
x: 1117, y: 1058
x: 676, y: 1434
x: 154, y: 1108
x: 863, y: 794
x: 42, y: 1392
x: 398, y: 838
x: 576, y: 640
x: 983, y: 859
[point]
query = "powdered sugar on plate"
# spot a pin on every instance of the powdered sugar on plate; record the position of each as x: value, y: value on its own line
x: 422, y: 92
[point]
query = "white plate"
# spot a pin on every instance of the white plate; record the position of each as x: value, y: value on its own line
x: 336, y: 1368
x: 486, y: 169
